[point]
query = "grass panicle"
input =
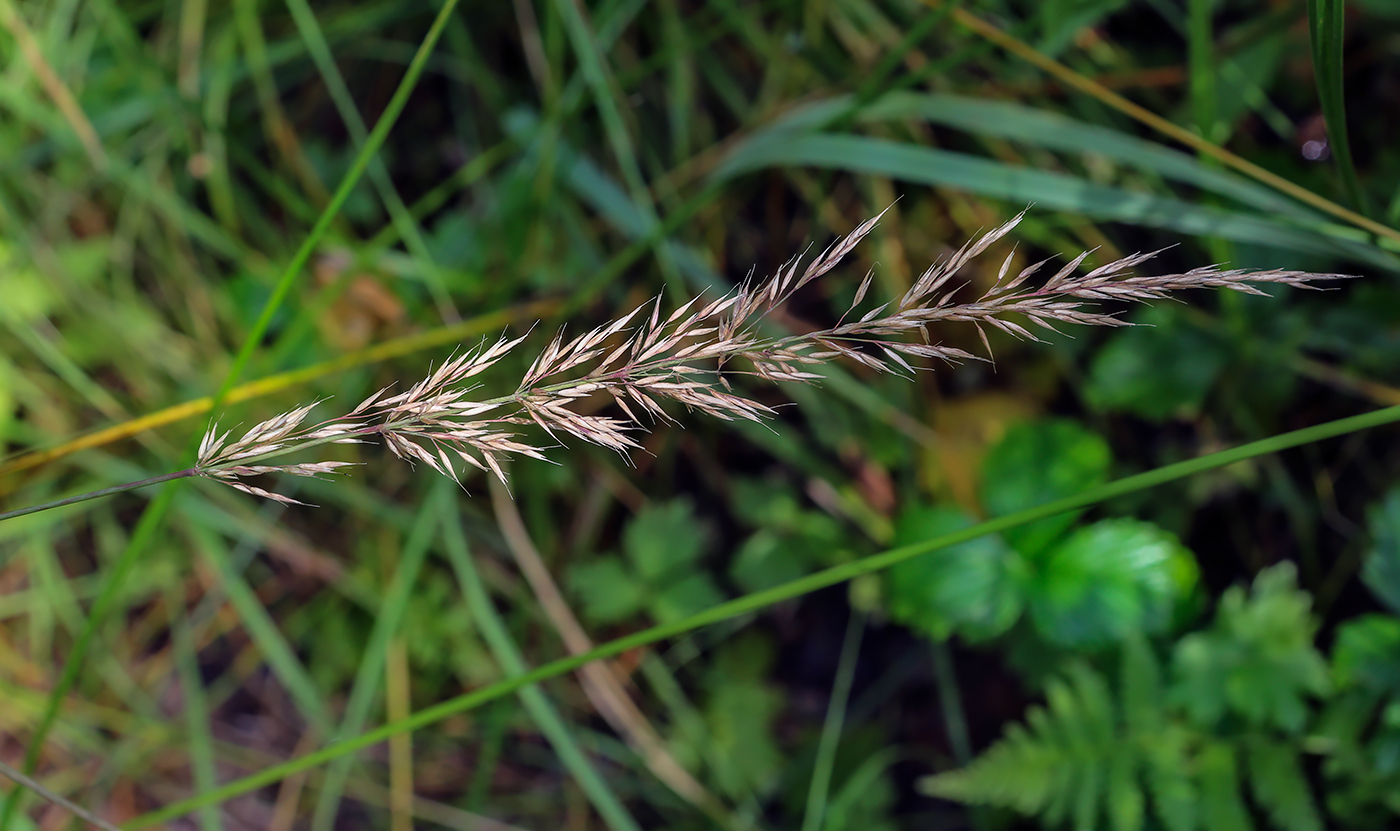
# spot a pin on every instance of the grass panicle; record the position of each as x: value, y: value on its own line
x: 643, y: 359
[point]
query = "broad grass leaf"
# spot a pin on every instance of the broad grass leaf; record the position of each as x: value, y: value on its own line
x: 1161, y: 369
x: 1046, y: 189
x: 1108, y: 580
x: 1035, y: 463
x: 974, y: 589
x: 1381, y: 573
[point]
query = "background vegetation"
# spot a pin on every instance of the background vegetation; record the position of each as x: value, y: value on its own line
x: 1221, y: 652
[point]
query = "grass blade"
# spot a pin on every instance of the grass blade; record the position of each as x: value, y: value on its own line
x: 835, y: 720
x: 787, y: 591
x: 497, y: 637
x: 153, y: 517
x: 1326, y: 30
x: 1098, y: 91
x: 1020, y: 185
x: 370, y: 674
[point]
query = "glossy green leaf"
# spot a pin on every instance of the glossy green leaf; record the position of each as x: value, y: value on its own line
x: 1037, y: 462
x: 974, y: 589
x: 1107, y: 580
x: 1381, y: 573
x: 1161, y: 369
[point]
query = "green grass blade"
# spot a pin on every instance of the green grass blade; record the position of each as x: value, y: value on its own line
x: 1200, y: 42
x: 1054, y: 131
x: 364, y: 690
x: 281, y: 658
x: 200, y: 737
x: 595, y: 73
x: 399, y: 214
x: 787, y: 591
x: 152, y: 518
x: 1326, y: 28
x: 497, y: 637
x: 1020, y: 185
x: 834, y: 723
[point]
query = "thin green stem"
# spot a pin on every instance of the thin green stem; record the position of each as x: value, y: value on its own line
x: 763, y: 599
x: 97, y: 494
x: 835, y: 721
x: 493, y: 630
x: 77, y: 810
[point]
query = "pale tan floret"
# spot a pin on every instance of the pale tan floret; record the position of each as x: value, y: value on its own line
x: 684, y: 356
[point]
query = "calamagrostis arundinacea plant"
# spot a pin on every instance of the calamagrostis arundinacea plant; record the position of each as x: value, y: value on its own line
x: 683, y: 357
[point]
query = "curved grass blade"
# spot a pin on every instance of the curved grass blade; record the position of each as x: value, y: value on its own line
x: 364, y: 690
x: 497, y: 636
x: 1051, y: 130
x: 399, y: 215
x: 1109, y: 98
x: 1059, y: 191
x: 1326, y: 31
x: 763, y: 599
x: 820, y: 787
x: 154, y: 514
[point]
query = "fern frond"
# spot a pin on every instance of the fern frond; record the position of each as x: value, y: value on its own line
x: 1070, y: 762
x: 1222, y: 805
x: 1277, y: 781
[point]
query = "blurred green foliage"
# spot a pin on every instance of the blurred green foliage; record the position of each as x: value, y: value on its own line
x: 593, y: 155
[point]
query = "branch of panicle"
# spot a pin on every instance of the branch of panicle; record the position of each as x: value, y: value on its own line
x: 682, y: 358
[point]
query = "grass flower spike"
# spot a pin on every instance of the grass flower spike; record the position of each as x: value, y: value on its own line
x: 684, y: 357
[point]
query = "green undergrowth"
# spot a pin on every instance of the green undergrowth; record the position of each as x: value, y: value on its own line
x: 194, y: 195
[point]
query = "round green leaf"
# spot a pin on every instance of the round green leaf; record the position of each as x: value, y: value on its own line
x: 1158, y: 370
x: 1108, y: 580
x: 973, y: 589
x: 609, y: 592
x: 663, y: 537
x: 1036, y: 463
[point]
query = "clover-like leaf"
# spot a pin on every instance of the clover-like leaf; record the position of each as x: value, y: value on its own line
x: 974, y: 589
x: 1038, y: 462
x: 609, y: 591
x: 1158, y: 370
x: 663, y: 538
x: 1107, y: 580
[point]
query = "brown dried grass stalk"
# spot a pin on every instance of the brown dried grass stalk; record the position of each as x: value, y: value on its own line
x: 683, y: 357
